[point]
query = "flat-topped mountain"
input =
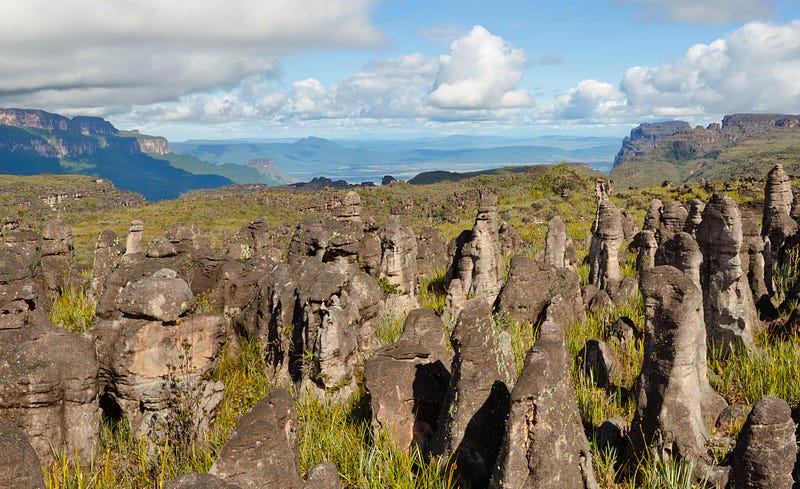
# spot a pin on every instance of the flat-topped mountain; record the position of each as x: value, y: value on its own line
x: 741, y: 146
x: 35, y: 141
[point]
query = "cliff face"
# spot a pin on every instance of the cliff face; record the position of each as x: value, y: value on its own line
x: 34, y: 141
x: 673, y: 151
x: 644, y: 138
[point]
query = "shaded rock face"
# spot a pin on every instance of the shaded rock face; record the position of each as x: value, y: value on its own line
x: 155, y: 373
x: 20, y: 467
x: 48, y: 375
x: 255, y: 243
x: 555, y: 243
x: 315, y: 318
x: 673, y: 220
x: 431, y: 252
x: 199, y: 481
x: 262, y: 450
x: 598, y: 358
x: 399, y: 263
x: 476, y: 270
x: 343, y: 241
x: 646, y: 245
x: 107, y: 253
x: 510, y: 240
x: 751, y: 254
x: 531, y: 288
x: 544, y: 444
x: 350, y: 208
x: 675, y: 402
x: 766, y: 449
x: 407, y: 381
x: 682, y: 252
x: 727, y: 300
x: 607, y: 237
x: 777, y: 202
x: 58, y: 262
x: 323, y: 476
x: 471, y: 424
x: 695, y: 216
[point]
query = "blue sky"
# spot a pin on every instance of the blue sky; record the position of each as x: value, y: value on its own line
x: 399, y: 68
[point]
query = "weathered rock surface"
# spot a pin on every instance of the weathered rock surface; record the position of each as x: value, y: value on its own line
x: 471, y: 425
x: 407, y: 381
x: 315, y: 318
x: 695, y: 216
x: 729, y: 311
x: 59, y: 269
x: 531, y: 288
x: 154, y: 372
x: 510, y: 240
x: 555, y: 242
x: 598, y: 358
x: 766, y: 449
x: 675, y: 402
x: 682, y: 252
x: 262, y: 450
x: 607, y: 237
x: 20, y: 467
x: 160, y: 297
x: 399, y: 264
x: 476, y: 268
x: 777, y: 199
x: 431, y: 252
x: 645, y: 245
x: 106, y: 259
x: 672, y: 220
x: 199, y: 481
x: 753, y: 261
x: 323, y: 476
x: 544, y: 444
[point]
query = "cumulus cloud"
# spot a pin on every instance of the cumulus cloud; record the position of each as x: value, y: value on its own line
x: 481, y: 72
x: 85, y: 54
x: 704, y: 11
x: 753, y: 69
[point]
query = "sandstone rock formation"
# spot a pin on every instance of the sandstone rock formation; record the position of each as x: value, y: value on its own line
x: 777, y: 204
x: 673, y: 220
x: 199, y: 481
x: 323, y: 476
x: 315, y: 318
x: 695, y: 216
x: 20, y: 467
x: 471, y: 425
x: 106, y: 259
x: 476, y: 268
x: 431, y: 252
x: 607, y: 237
x: 599, y: 360
x: 646, y: 245
x: 407, y: 381
x: 399, y: 264
x: 544, y: 445
x: 531, y: 288
x: 48, y: 375
x: 682, y: 252
x: 675, y: 402
x: 728, y: 307
x: 58, y: 261
x: 133, y: 243
x: 751, y: 255
x: 555, y: 243
x: 262, y: 451
x: 766, y: 448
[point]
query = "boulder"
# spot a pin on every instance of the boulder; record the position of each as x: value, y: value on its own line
x: 471, y: 424
x: 544, y: 445
x: 323, y: 476
x: 155, y: 373
x: 160, y: 297
x: 20, y: 467
x: 766, y: 449
x: 262, y: 450
x: 199, y: 481
x: 407, y: 381
x: 531, y: 287
x: 599, y: 359
x: 675, y: 402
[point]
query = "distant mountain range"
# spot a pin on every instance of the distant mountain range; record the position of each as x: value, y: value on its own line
x: 743, y: 145
x: 369, y: 160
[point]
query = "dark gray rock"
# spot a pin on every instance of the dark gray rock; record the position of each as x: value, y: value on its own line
x: 471, y: 424
x: 555, y: 242
x: 20, y: 467
x: 544, y: 445
x: 199, y: 481
x: 766, y: 449
x: 682, y: 252
x: 695, y: 216
x: 599, y: 359
x: 510, y: 240
x: 262, y: 450
x: 607, y: 237
x: 323, y: 476
x: 531, y: 287
x: 407, y: 381
x: 399, y: 265
x: 106, y: 259
x: 729, y: 311
x: 675, y: 402
x: 645, y: 245
x: 160, y: 297
x: 431, y: 252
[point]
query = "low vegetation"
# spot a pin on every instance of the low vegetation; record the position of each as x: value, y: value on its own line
x: 341, y: 432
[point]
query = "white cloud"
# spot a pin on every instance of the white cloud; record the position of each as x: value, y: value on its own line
x: 706, y: 12
x: 589, y: 99
x: 754, y: 69
x: 86, y: 54
x: 481, y: 72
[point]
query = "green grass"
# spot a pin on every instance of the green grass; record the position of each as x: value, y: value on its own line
x: 72, y: 309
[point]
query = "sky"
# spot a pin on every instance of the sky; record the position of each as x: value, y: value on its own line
x: 388, y: 69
